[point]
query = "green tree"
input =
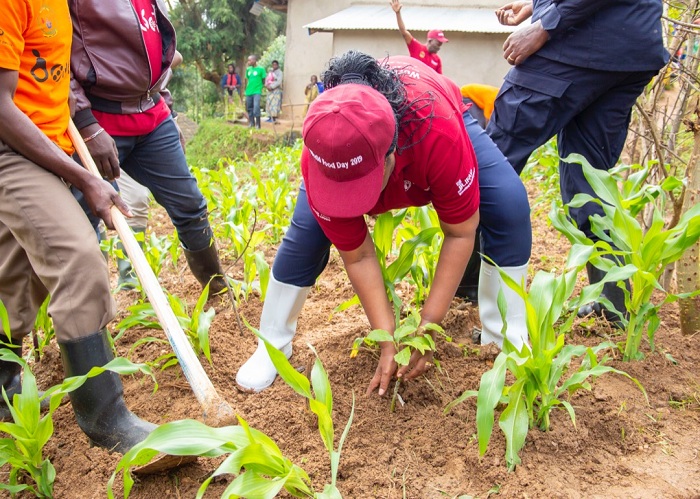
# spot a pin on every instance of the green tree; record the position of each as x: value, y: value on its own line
x: 211, y: 33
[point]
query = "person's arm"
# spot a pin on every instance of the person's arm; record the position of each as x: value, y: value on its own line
x: 564, y: 14
x: 22, y: 135
x: 101, y: 145
x: 407, y: 36
x: 366, y: 277
x: 455, y: 253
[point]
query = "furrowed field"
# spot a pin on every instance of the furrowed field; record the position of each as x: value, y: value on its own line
x: 590, y: 412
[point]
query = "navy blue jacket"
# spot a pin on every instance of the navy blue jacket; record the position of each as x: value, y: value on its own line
x: 608, y: 35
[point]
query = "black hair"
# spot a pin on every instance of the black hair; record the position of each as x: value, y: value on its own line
x: 360, y: 68
x: 275, y: 61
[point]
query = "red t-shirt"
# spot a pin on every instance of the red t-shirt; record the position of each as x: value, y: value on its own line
x: 146, y: 122
x: 439, y: 167
x: 420, y: 52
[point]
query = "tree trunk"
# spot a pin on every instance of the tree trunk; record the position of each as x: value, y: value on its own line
x: 688, y: 267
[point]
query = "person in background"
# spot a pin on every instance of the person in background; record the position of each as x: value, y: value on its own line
x: 425, y: 53
x: 578, y: 68
x: 385, y: 136
x: 481, y: 98
x: 47, y: 244
x: 125, y: 118
x: 255, y: 79
x: 311, y: 91
x: 231, y: 83
x: 274, y: 93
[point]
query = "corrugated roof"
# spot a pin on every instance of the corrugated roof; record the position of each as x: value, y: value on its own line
x: 371, y: 17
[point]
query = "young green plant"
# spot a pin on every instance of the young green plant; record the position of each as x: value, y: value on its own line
x: 642, y: 256
x: 408, y: 337
x: 22, y: 450
x: 539, y: 371
x: 196, y: 326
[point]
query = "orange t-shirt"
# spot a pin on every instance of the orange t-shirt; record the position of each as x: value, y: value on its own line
x: 482, y: 95
x: 35, y: 39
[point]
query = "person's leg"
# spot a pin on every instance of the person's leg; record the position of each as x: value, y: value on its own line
x: 256, y: 109
x: 157, y: 162
x: 268, y: 107
x: 598, y: 133
x: 506, y: 237
x: 536, y: 100
x: 250, y: 107
x: 137, y: 198
x: 299, y: 261
x: 54, y: 237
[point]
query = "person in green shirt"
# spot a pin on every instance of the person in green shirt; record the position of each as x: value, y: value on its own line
x: 255, y: 80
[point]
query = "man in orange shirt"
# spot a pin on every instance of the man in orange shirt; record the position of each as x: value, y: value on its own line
x: 425, y: 53
x: 47, y: 245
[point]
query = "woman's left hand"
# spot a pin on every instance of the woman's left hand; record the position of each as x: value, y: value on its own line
x: 418, y: 365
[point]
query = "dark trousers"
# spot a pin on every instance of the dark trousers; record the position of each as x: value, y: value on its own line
x: 157, y: 162
x: 504, y: 219
x: 589, y: 110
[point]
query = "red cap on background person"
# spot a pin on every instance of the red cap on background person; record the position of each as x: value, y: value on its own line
x: 348, y: 131
x: 437, y: 34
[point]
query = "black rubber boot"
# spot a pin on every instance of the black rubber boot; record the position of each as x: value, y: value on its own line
x: 469, y: 286
x: 204, y: 265
x: 10, y: 380
x: 99, y: 404
x: 127, y: 275
x: 612, y: 292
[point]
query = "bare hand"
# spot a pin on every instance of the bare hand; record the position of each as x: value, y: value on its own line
x: 514, y: 13
x: 418, y: 365
x: 104, y: 151
x: 396, y: 6
x: 100, y: 196
x: 523, y: 43
x: 385, y: 370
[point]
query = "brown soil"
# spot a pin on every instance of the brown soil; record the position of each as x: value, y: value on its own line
x: 621, y: 446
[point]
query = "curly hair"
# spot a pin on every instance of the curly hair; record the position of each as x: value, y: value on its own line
x: 360, y: 68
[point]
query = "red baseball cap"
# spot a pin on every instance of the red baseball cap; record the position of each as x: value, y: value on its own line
x: 347, y: 132
x: 437, y: 34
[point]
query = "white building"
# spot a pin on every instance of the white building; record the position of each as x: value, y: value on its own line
x: 318, y: 29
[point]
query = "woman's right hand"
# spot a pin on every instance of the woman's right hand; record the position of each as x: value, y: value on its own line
x: 385, y: 369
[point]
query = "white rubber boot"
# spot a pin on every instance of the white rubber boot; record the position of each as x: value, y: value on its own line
x: 278, y: 323
x: 490, y: 282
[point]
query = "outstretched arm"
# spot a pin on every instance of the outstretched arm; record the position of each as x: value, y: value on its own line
x: 407, y: 36
x: 366, y: 277
x: 454, y: 255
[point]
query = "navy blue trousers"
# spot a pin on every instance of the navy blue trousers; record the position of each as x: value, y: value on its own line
x: 156, y: 161
x: 589, y: 110
x: 506, y: 234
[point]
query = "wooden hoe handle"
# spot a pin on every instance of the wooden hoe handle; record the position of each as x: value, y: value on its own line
x: 217, y: 411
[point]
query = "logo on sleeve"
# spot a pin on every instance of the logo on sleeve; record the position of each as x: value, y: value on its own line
x: 463, y: 185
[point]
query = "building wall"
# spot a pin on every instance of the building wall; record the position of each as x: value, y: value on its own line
x: 467, y: 58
